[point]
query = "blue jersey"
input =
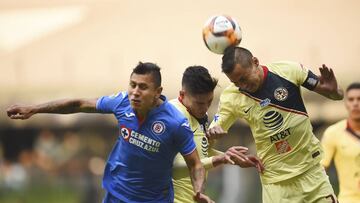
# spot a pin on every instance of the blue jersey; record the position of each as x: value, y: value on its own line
x: 139, y: 168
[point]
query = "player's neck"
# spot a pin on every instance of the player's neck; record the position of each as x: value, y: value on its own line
x: 142, y: 113
x: 354, y: 125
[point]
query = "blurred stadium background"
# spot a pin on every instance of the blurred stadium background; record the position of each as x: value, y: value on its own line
x: 87, y: 48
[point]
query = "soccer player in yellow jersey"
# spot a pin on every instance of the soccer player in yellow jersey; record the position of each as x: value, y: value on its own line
x: 194, y: 101
x: 269, y: 98
x: 341, y: 142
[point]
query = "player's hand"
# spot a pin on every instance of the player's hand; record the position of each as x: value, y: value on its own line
x: 258, y: 163
x: 240, y: 158
x: 19, y: 112
x: 328, y: 83
x: 202, y: 198
x: 327, y: 78
x: 215, y: 132
x: 233, y: 153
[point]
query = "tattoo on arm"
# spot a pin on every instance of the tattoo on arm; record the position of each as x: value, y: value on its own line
x: 67, y: 106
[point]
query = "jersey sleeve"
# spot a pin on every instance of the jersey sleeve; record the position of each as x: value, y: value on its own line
x: 298, y: 74
x: 225, y: 116
x: 107, y: 104
x: 184, y: 138
x: 329, y: 145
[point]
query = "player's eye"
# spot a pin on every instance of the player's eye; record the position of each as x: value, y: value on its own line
x: 143, y: 86
x: 132, y: 85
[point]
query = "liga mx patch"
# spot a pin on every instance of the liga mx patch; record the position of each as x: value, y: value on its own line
x: 282, y: 146
x: 158, y: 127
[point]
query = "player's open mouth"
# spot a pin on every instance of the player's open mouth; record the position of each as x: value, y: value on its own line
x: 135, y: 101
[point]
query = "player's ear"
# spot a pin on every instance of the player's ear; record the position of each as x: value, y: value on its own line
x: 255, y: 61
x: 158, y: 91
x: 181, y: 94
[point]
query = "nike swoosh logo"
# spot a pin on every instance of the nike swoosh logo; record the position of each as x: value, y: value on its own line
x: 247, y: 110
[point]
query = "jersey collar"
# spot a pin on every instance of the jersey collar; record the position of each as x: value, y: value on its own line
x: 351, y: 131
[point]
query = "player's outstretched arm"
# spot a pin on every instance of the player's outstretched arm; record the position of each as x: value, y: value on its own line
x: 64, y: 106
x: 216, y: 158
x: 327, y: 85
x: 197, y: 176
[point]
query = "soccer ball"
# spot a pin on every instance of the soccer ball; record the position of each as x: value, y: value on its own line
x: 220, y: 32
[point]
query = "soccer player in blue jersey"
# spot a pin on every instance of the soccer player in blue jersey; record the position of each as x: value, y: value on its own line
x: 269, y: 98
x: 152, y: 132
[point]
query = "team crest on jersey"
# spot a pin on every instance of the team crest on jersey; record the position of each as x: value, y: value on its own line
x: 158, y: 127
x: 125, y: 132
x: 281, y: 94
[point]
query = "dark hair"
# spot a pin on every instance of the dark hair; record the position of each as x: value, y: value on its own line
x: 235, y: 55
x: 149, y: 68
x: 354, y: 85
x: 197, y: 80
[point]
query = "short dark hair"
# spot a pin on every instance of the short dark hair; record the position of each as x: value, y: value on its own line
x: 235, y: 55
x: 354, y: 85
x: 149, y: 68
x: 197, y: 80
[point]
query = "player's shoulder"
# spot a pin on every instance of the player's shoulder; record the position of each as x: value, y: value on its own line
x: 292, y: 71
x: 118, y: 96
x: 336, y: 127
x: 284, y: 68
x: 176, y: 103
x: 179, y: 106
x: 173, y: 113
x: 231, y: 96
x: 115, y: 100
x: 230, y: 91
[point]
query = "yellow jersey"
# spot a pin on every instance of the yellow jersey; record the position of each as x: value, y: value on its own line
x: 183, y: 190
x: 343, y: 145
x: 278, y: 120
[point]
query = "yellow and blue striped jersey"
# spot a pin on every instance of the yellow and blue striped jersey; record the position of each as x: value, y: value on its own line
x: 278, y: 120
x: 342, y: 144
